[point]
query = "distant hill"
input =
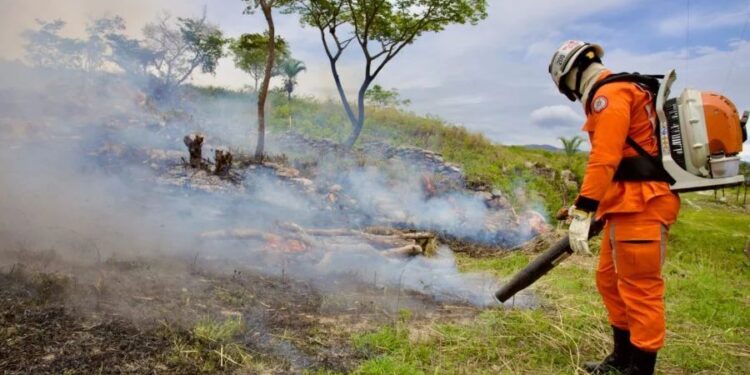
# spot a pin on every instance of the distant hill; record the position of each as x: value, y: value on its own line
x: 543, y: 147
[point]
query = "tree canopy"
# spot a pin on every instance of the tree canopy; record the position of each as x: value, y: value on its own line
x: 290, y: 68
x: 377, y: 95
x: 250, y: 52
x: 381, y: 29
x: 168, y: 55
x: 571, y: 145
x: 181, y: 47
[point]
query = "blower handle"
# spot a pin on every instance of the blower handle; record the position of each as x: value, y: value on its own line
x: 541, y: 265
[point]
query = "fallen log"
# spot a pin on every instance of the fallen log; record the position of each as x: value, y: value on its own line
x: 393, y: 244
x: 251, y: 233
x: 404, y: 251
x: 378, y: 236
x: 237, y: 233
x: 417, y: 235
x: 387, y: 241
x: 382, y: 231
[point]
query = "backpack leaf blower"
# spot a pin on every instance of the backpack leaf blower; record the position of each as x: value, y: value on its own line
x: 700, y: 136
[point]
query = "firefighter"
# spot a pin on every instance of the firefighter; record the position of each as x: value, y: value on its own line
x: 637, y: 208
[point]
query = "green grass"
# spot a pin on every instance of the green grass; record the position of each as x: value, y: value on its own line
x: 503, y: 167
x: 708, y: 317
x: 212, y: 345
x: 707, y: 274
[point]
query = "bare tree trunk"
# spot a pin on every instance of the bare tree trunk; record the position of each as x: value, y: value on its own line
x: 342, y: 94
x: 360, y: 121
x: 289, y: 105
x: 259, y: 148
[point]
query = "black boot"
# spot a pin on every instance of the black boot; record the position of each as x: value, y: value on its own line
x: 619, y: 360
x: 641, y: 363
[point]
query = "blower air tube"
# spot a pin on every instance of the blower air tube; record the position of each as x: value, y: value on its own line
x: 536, y: 269
x: 541, y: 265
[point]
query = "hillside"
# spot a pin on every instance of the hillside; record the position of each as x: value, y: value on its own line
x: 707, y: 271
x: 118, y: 255
x: 531, y: 175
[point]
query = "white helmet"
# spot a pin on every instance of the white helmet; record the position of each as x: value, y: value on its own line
x: 567, y: 57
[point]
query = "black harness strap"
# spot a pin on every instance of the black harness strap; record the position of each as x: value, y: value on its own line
x: 645, y: 167
x: 646, y: 81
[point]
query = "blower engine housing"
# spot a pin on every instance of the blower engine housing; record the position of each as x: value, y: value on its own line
x: 701, y: 136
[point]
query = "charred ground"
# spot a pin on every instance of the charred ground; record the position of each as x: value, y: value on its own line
x: 172, y: 316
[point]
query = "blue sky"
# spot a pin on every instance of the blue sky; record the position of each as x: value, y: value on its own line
x: 490, y: 78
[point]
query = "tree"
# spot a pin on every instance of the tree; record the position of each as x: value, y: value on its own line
x: 571, y: 145
x: 131, y: 55
x: 382, y: 29
x: 290, y: 68
x: 250, y: 52
x: 45, y: 48
x: 266, y: 6
x: 97, y: 45
x: 377, y: 95
x: 180, y: 48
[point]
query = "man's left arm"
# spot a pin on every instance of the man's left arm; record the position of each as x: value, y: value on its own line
x: 610, y: 123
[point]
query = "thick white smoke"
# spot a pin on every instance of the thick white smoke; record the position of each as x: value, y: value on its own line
x: 59, y: 189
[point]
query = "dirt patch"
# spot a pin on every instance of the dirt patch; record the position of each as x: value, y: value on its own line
x: 142, y: 315
x: 40, y: 335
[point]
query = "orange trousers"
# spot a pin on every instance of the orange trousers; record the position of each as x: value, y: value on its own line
x: 629, y: 273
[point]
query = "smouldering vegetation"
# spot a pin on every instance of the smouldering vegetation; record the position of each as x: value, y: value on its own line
x: 707, y: 271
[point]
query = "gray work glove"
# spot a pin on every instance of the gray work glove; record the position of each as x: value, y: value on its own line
x: 578, y: 232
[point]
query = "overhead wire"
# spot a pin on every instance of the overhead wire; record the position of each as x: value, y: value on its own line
x: 687, y: 40
x: 733, y: 59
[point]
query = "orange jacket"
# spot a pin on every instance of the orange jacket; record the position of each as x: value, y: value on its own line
x: 618, y: 110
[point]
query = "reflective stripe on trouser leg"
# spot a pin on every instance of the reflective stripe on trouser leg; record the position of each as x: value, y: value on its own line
x: 606, y: 281
x: 663, y: 243
x: 642, y: 290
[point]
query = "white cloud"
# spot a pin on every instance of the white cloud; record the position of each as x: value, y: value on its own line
x: 556, y: 116
x: 489, y: 78
x: 701, y: 20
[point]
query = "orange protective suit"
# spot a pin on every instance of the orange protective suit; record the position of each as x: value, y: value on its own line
x: 637, y: 213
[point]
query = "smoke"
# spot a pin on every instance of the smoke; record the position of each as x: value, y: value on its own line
x: 457, y: 213
x: 79, y: 175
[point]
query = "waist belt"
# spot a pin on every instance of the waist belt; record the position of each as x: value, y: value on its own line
x: 639, y: 168
x: 644, y: 167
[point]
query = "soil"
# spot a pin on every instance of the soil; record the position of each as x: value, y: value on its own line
x: 40, y: 335
x: 125, y: 315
